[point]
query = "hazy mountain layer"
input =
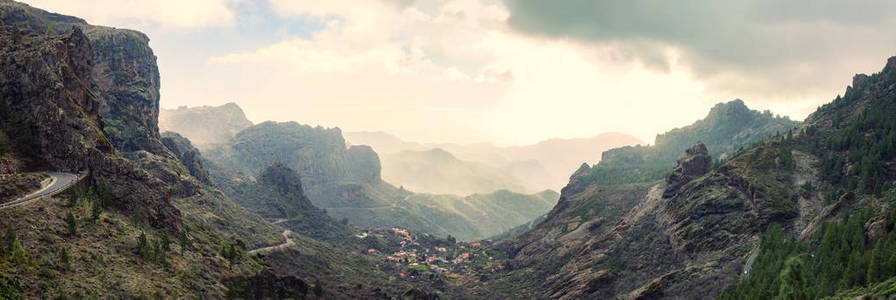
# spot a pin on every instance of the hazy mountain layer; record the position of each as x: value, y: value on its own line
x: 437, y: 171
x: 545, y: 165
x: 346, y: 182
x: 205, y: 125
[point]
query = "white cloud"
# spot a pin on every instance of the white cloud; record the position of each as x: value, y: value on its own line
x: 169, y: 14
x: 454, y: 71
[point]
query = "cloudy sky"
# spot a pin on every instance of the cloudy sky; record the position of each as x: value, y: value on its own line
x: 507, y: 72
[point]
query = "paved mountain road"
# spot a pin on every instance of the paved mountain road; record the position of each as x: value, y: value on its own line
x: 61, y: 181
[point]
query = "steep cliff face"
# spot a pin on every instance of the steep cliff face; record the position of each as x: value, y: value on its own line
x: 205, y: 125
x: 318, y: 154
x: 49, y: 108
x: 125, y: 79
x: 118, y: 92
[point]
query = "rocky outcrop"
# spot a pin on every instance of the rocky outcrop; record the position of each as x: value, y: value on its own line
x: 695, y: 163
x: 205, y: 125
x: 319, y: 154
x: 188, y: 155
x: 580, y: 173
x: 287, y: 183
x: 364, y: 163
x: 125, y: 79
x: 47, y: 104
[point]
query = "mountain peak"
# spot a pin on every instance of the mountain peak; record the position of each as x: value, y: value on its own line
x: 733, y: 107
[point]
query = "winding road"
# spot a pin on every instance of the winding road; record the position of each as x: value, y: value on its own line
x: 60, y: 182
x: 289, y: 242
x: 750, y: 261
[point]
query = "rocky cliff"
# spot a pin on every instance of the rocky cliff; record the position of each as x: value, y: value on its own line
x: 56, y: 118
x: 320, y: 155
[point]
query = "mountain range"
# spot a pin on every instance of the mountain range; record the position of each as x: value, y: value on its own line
x: 477, y: 168
x: 738, y: 205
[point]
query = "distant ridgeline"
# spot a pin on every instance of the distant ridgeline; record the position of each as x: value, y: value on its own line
x: 727, y: 127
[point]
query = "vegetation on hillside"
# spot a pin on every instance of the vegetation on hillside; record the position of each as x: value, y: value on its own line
x: 841, y: 257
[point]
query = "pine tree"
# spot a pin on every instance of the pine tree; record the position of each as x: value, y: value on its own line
x: 793, y: 281
x: 96, y: 210
x: 165, y: 241
x: 184, y: 242
x: 876, y: 264
x: 64, y: 258
x: 104, y: 193
x: 9, y: 241
x: 318, y: 289
x: 16, y: 34
x: 143, y: 247
x: 72, y: 200
x: 71, y: 223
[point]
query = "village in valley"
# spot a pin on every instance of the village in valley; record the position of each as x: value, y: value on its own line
x: 427, y: 255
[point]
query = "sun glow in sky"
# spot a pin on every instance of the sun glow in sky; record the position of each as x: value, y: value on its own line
x: 506, y: 72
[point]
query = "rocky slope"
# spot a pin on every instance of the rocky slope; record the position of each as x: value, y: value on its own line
x: 691, y: 234
x: 205, y: 125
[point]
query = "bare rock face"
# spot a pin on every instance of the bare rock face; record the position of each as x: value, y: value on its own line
x: 83, y: 97
x: 125, y: 79
x: 48, y: 106
x: 319, y: 155
x: 695, y: 163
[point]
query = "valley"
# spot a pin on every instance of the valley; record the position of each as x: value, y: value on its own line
x: 106, y: 194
